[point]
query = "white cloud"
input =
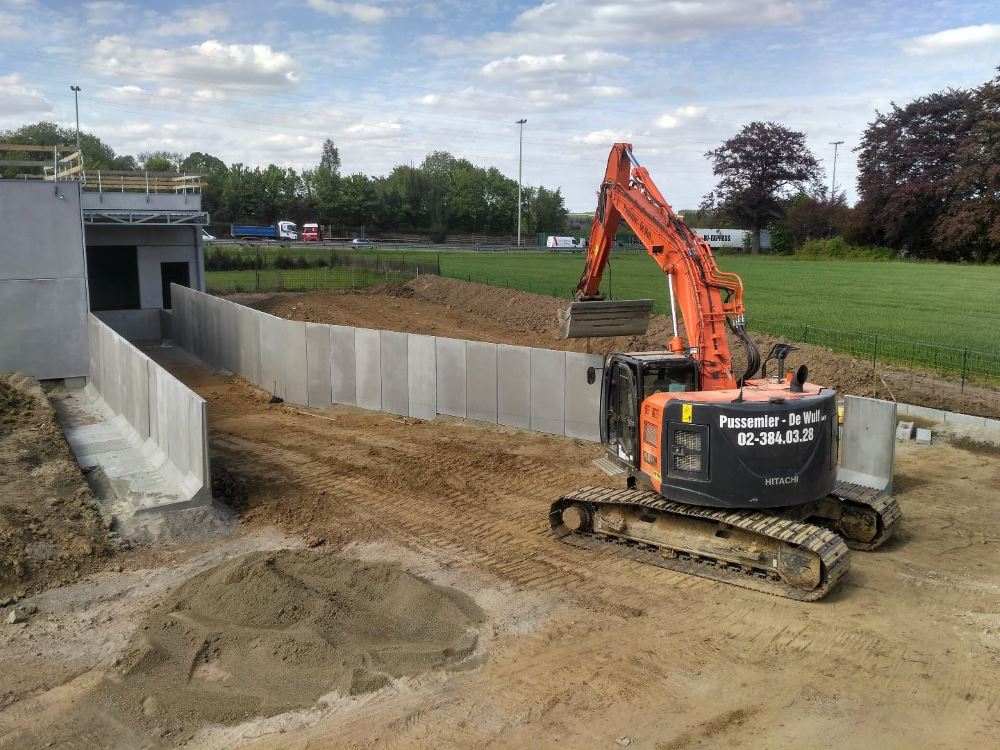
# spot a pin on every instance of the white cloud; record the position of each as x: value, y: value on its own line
x: 952, y: 40
x: 249, y: 65
x: 358, y: 11
x: 194, y: 22
x: 583, y: 24
x: 679, y: 116
x: 507, y: 67
x: 19, y: 99
x: 374, y: 130
x: 102, y: 12
x: 602, y: 137
x: 10, y: 26
x: 429, y: 100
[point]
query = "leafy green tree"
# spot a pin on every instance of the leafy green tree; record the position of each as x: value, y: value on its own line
x: 758, y: 168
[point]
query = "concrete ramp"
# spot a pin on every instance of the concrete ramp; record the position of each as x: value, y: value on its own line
x: 868, y: 442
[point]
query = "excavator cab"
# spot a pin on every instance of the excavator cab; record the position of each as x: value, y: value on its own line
x: 629, y: 379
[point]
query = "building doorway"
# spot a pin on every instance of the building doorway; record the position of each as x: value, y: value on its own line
x: 177, y: 273
x: 113, y: 277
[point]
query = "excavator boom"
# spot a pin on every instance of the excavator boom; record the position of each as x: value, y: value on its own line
x: 709, y: 299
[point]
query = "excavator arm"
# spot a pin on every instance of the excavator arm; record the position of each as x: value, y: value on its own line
x: 710, y: 300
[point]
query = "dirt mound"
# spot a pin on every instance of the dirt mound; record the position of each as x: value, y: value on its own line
x: 50, y: 529
x: 273, y: 631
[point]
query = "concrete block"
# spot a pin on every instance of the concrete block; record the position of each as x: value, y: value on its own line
x: 272, y: 354
x: 134, y: 325
x: 514, y: 385
x: 296, y: 375
x: 248, y: 325
x: 343, y: 366
x: 318, y: 362
x: 583, y: 399
x: 964, y: 420
x: 393, y: 365
x: 481, y: 381
x: 904, y: 430
x: 451, y: 377
x: 548, y: 391
x: 923, y: 436
x: 868, y: 445
x: 368, y: 368
x: 421, y: 376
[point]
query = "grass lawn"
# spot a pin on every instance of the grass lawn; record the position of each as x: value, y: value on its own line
x: 946, y: 305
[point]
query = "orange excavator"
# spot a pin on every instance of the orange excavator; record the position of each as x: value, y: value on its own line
x: 727, y: 476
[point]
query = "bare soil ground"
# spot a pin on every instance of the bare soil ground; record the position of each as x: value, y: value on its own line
x: 575, y: 649
x: 50, y: 528
x: 449, y: 307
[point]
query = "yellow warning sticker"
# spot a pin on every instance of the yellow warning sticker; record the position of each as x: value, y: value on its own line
x: 686, y: 410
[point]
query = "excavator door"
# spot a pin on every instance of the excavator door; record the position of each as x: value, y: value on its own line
x: 623, y: 413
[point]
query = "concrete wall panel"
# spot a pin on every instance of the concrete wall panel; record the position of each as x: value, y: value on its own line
x: 481, y: 381
x: 318, y: 361
x: 583, y: 400
x: 368, y: 368
x: 868, y: 442
x: 135, y: 325
x: 296, y: 370
x: 43, y: 230
x: 421, y: 374
x: 514, y: 386
x: 165, y: 416
x: 451, y: 377
x: 393, y: 362
x: 44, y: 326
x: 272, y: 354
x: 249, y: 344
x: 548, y: 391
x: 343, y: 366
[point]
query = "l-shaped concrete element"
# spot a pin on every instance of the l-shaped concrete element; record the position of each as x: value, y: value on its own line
x: 157, y: 413
x: 314, y: 364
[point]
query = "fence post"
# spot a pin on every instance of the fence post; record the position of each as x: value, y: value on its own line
x: 965, y: 360
x: 874, y: 352
x: 805, y: 335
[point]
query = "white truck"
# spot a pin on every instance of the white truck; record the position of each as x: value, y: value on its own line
x: 554, y: 241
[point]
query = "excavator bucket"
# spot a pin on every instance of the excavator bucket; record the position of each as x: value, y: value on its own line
x: 605, y: 318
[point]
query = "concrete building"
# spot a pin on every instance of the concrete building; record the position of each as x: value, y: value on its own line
x: 110, y: 243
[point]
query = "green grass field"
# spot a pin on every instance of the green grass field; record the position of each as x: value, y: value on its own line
x: 945, y: 305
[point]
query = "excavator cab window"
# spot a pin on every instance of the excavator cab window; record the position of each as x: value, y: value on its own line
x: 674, y: 376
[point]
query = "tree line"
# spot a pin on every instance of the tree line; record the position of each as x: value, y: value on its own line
x: 443, y: 194
x: 928, y: 183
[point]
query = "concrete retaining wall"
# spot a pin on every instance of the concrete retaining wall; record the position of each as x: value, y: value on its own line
x: 159, y: 413
x: 315, y: 364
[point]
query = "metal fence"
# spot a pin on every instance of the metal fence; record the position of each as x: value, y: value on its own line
x: 963, y: 363
x: 343, y: 272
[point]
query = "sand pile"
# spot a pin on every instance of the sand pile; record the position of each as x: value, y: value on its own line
x: 273, y: 631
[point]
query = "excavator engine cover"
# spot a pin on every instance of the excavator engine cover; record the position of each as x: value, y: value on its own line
x: 605, y: 318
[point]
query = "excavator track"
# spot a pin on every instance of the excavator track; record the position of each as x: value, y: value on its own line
x: 765, y: 552
x: 874, y: 513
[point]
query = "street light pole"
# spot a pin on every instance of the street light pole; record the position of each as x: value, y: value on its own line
x: 76, y: 101
x: 833, y: 183
x: 520, y: 150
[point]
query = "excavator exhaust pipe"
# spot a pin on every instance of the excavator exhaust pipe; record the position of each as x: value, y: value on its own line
x: 605, y: 318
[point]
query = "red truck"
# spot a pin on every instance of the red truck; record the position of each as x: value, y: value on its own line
x: 312, y: 233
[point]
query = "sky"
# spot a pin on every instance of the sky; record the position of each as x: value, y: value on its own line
x: 389, y: 82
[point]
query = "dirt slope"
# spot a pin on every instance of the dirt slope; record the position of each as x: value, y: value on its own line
x: 449, y: 307
x: 50, y: 529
